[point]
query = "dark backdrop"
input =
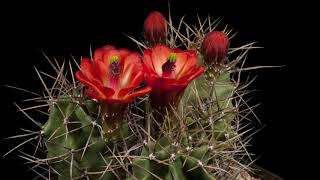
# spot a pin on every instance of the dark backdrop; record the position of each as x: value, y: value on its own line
x: 61, y: 30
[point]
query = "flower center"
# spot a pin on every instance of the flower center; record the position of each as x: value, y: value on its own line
x: 169, y: 65
x: 114, y: 66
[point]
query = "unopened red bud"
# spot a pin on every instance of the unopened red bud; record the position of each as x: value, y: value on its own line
x: 155, y: 27
x: 215, y: 47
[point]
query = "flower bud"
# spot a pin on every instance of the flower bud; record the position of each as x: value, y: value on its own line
x: 215, y: 47
x: 155, y: 27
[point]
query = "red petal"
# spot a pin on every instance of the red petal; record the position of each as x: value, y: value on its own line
x: 140, y: 92
x: 189, y: 65
x: 162, y: 84
x: 123, y: 53
x: 147, y: 59
x: 102, y: 71
x: 192, y: 52
x: 132, y: 72
x: 98, y: 54
x: 93, y: 95
x: 126, y: 91
x: 159, y: 56
x: 182, y: 59
x: 148, y: 66
x: 135, y: 82
x: 150, y: 76
x: 114, y: 82
x: 169, y: 84
x: 108, y: 91
x: 101, y: 91
x: 88, y: 71
x: 192, y: 75
x: 149, y: 70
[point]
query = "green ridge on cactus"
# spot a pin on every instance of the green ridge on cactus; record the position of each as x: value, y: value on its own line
x: 66, y: 143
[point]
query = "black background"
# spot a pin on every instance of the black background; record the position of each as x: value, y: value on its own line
x: 61, y: 30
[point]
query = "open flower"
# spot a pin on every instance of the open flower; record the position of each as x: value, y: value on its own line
x: 155, y: 27
x: 112, y: 78
x: 168, y: 72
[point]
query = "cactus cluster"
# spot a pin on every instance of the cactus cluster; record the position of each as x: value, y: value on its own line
x: 198, y: 136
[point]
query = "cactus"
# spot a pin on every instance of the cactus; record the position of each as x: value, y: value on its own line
x: 202, y: 138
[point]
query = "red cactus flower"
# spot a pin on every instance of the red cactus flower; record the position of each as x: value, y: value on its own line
x: 168, y: 72
x: 155, y: 27
x: 215, y: 47
x: 112, y: 78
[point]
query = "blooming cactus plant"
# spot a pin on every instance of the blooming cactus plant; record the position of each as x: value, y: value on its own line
x: 168, y: 72
x: 153, y: 115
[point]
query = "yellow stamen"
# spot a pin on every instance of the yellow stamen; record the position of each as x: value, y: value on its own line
x: 172, y: 57
x: 114, y: 59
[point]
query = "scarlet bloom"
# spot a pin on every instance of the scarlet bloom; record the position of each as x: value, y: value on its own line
x: 215, y: 47
x: 168, y: 72
x: 155, y: 27
x: 113, y: 76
